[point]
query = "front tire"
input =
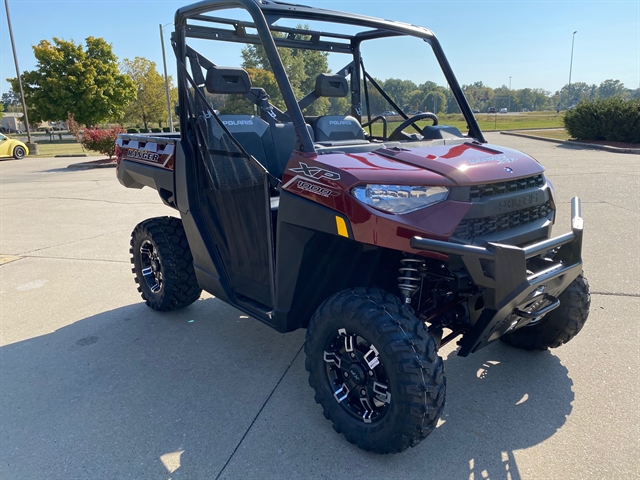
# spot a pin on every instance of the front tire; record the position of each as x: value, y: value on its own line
x: 163, y: 265
x: 558, y: 326
x: 375, y: 370
x: 19, y: 152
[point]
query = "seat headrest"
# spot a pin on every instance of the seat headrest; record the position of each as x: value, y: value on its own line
x: 227, y: 80
x: 328, y: 85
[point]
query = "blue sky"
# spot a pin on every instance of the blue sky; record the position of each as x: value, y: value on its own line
x: 486, y: 41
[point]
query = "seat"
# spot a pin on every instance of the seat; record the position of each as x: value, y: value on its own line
x: 272, y: 145
x: 333, y: 130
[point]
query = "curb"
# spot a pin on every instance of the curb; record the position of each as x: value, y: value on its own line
x: 71, y: 155
x: 634, y: 151
x: 90, y: 165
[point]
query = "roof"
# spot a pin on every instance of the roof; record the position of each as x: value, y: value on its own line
x: 276, y: 10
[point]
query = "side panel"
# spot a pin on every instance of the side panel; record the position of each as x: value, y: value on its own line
x: 314, y: 261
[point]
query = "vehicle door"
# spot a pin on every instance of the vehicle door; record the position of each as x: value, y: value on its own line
x: 234, y: 198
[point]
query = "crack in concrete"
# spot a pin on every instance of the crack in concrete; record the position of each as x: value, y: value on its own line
x: 616, y: 294
x: 600, y: 202
x: 84, y: 199
x: 75, y: 258
x: 258, y: 414
x: 26, y: 254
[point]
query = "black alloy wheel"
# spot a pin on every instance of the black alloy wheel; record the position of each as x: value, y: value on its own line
x: 357, y: 376
x: 151, y: 266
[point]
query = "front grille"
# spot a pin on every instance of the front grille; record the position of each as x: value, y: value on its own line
x: 490, y: 189
x: 477, y: 227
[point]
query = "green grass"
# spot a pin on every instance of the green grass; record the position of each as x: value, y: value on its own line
x: 487, y: 122
x: 48, y: 148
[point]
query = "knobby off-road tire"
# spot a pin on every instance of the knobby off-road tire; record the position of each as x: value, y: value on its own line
x: 19, y: 152
x: 160, y: 244
x: 558, y: 326
x: 410, y: 374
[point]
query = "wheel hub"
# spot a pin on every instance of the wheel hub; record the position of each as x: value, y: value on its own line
x: 357, y: 376
x: 151, y: 266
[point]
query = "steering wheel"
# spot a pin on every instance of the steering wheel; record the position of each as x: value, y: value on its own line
x: 396, y: 134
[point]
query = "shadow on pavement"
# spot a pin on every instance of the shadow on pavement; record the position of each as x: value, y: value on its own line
x: 108, y: 396
x: 139, y: 394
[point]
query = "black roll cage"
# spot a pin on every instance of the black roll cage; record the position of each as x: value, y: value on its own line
x: 266, y: 12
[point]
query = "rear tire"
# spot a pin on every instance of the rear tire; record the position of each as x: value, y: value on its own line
x: 558, y: 326
x: 163, y: 265
x: 19, y: 152
x: 391, y: 405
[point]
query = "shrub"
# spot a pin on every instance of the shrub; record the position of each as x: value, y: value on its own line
x: 103, y: 141
x: 611, y: 119
x: 132, y: 130
x: 166, y: 129
x: 156, y: 130
x: 144, y: 130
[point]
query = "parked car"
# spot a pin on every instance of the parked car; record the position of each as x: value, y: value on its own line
x: 10, y: 147
x: 388, y: 113
x: 476, y: 110
x: 491, y: 110
x: 525, y: 110
x: 503, y: 110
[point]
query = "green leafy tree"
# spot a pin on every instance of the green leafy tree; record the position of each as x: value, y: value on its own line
x: 399, y: 90
x: 70, y: 78
x: 302, y: 67
x: 416, y: 100
x: 435, y: 102
x: 11, y: 101
x: 238, y: 104
x: 339, y: 106
x: 612, y: 88
x: 150, y: 104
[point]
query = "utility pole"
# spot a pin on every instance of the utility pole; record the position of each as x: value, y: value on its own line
x: 573, y: 38
x: 166, y: 79
x: 509, y: 94
x: 33, y: 147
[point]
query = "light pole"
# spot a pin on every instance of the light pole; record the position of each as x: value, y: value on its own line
x: 31, y: 145
x: 166, y: 78
x: 509, y: 94
x: 573, y: 38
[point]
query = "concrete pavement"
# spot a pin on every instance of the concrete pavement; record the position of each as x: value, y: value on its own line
x: 93, y: 384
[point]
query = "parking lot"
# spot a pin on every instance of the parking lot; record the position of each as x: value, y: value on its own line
x: 94, y: 384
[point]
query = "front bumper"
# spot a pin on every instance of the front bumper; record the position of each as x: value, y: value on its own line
x: 509, y: 288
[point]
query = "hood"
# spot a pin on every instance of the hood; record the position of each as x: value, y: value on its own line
x: 467, y: 163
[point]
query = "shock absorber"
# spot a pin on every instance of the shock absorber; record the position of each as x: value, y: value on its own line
x: 409, y: 280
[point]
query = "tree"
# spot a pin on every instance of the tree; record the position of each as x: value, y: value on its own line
x: 150, y: 104
x: 416, y: 100
x: 302, y: 67
x: 611, y: 88
x: 70, y: 78
x: 239, y: 105
x: 435, y: 102
x: 399, y: 90
x: 11, y: 101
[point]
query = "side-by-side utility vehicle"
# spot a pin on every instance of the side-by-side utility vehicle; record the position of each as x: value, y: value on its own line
x: 384, y: 239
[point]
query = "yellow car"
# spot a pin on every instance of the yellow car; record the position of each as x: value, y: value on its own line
x: 12, y: 148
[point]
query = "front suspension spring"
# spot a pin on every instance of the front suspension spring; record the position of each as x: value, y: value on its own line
x: 409, y: 279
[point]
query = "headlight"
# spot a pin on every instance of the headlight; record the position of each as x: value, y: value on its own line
x: 399, y: 198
